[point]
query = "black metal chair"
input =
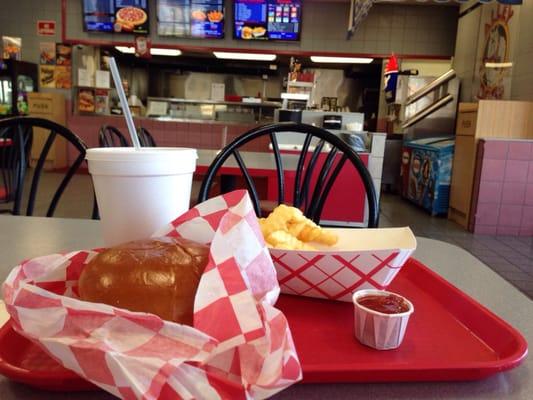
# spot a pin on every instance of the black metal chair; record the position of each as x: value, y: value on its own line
x: 145, y: 138
x: 109, y: 136
x: 310, y: 194
x: 14, y: 160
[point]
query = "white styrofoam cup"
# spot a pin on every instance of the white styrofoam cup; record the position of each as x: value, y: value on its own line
x: 139, y: 191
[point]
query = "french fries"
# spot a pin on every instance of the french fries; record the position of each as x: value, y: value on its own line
x: 287, y: 228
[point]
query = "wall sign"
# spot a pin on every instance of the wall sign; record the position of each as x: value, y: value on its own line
x: 497, y: 40
x: 46, y: 28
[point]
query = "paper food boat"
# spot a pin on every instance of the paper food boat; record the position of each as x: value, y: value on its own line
x: 362, y: 259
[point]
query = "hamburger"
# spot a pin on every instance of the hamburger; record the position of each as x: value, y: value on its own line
x: 158, y: 276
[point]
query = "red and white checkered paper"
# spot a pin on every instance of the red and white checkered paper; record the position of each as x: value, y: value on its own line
x: 334, y: 274
x: 239, y: 348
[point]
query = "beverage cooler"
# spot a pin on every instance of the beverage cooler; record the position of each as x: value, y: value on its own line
x: 17, y: 79
x: 426, y: 173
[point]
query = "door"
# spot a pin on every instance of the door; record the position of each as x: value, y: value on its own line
x: 462, y: 178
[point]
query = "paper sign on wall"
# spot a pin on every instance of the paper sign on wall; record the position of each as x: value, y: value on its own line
x: 47, y: 53
x: 63, y: 77
x: 102, y: 79
x: 46, y: 28
x: 84, y: 77
x: 218, y: 91
x: 157, y: 108
x: 47, y: 76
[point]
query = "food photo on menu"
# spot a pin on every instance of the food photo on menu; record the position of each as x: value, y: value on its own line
x: 119, y: 16
x: 267, y: 19
x: 86, y: 100
x: 191, y: 18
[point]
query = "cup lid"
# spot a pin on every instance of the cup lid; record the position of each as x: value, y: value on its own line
x: 148, y: 161
x: 142, y: 154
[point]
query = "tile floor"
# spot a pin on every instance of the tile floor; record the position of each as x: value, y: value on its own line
x: 511, y: 257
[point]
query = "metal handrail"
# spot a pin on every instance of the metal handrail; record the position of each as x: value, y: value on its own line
x: 428, y: 110
x: 431, y: 86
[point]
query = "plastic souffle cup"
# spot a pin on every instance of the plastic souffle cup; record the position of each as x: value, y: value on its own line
x: 138, y: 191
x: 376, y: 329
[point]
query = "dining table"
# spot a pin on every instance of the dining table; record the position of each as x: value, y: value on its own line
x: 27, y: 237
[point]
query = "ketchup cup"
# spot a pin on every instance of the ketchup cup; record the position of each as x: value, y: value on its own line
x: 380, y: 330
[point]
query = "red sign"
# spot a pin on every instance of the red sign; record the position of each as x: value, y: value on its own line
x: 46, y: 28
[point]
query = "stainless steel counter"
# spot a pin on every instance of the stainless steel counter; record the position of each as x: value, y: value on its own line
x: 25, y: 237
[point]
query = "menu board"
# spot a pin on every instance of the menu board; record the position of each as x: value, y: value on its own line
x: 267, y: 19
x: 191, y: 18
x: 119, y: 16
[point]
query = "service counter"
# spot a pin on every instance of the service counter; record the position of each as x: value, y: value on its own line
x: 211, y: 136
x: 167, y: 132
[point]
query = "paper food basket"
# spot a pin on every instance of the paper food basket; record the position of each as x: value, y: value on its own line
x: 361, y: 259
x: 239, y: 348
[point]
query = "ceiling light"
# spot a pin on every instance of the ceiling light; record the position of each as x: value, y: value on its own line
x: 295, y: 96
x: 341, y: 60
x: 164, y: 52
x: 126, y: 50
x: 244, y: 56
x: 498, y: 65
x: 155, y: 51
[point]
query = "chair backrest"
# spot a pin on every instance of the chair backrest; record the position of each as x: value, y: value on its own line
x: 315, y: 172
x: 19, y: 130
x: 145, y: 138
x: 109, y: 136
x: 15, y: 147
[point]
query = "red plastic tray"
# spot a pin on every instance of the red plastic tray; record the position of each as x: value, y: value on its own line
x: 450, y: 337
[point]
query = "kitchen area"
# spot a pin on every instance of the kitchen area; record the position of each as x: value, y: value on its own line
x: 199, y: 74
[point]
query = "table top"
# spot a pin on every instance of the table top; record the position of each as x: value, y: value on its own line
x: 27, y: 237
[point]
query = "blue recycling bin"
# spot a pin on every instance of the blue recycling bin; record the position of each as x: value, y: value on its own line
x: 426, y: 173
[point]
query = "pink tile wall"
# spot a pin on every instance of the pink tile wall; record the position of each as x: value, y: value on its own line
x: 505, y: 193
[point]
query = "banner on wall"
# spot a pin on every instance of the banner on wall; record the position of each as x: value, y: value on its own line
x: 497, y: 38
x: 391, y: 79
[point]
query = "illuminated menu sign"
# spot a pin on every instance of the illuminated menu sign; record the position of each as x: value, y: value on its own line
x: 119, y: 16
x: 267, y: 19
x: 191, y: 18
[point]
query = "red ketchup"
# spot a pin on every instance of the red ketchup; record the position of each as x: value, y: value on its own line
x: 388, y: 304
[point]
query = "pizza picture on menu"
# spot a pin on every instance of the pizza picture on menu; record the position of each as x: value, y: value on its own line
x: 131, y: 19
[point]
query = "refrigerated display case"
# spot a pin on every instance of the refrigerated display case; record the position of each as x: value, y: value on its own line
x: 17, y: 79
x: 426, y: 173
